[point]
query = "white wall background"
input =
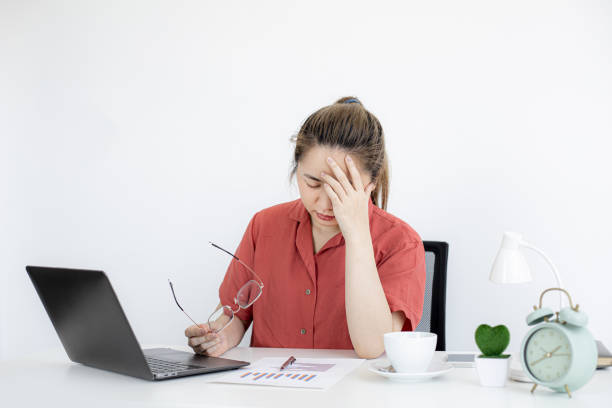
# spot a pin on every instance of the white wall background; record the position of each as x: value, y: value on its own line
x: 134, y: 132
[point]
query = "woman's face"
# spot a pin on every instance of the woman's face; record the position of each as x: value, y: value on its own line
x: 313, y: 196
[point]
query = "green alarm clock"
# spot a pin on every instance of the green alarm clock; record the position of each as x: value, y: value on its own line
x: 558, y: 353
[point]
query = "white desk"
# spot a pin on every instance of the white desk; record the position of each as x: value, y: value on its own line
x: 51, y: 380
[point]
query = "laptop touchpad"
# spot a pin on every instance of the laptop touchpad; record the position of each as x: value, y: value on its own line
x: 179, y: 357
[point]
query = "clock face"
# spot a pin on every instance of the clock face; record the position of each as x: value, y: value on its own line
x: 548, y: 354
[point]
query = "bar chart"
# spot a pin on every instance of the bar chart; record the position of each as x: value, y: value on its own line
x: 304, y: 373
x: 276, y: 375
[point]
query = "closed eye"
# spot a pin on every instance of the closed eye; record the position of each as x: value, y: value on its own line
x: 311, y: 179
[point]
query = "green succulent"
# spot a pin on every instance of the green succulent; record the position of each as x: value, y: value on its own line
x: 492, y: 341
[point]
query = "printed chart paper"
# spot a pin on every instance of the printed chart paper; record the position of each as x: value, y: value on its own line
x: 303, y: 373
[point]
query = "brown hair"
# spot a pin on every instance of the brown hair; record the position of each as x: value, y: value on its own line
x: 347, y: 125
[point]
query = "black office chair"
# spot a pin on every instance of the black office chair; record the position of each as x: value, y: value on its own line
x: 434, y: 305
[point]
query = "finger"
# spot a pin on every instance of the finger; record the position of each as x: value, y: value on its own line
x: 215, y: 351
x: 209, y: 344
x: 354, y: 172
x: 192, y: 331
x: 340, y: 176
x: 331, y: 194
x: 211, y: 337
x: 338, y: 189
x: 207, y: 351
x: 194, y: 341
x: 371, y: 187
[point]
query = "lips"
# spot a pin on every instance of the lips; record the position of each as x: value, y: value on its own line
x: 325, y: 217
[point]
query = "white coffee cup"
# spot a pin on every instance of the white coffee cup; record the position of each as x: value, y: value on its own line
x: 410, y: 352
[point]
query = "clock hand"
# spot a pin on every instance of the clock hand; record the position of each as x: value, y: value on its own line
x: 538, y: 360
x: 547, y: 355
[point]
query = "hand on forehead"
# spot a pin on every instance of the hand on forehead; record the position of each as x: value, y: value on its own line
x: 315, y: 161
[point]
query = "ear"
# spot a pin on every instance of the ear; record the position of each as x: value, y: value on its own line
x: 371, y: 187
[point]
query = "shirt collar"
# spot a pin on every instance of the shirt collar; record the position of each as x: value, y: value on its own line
x: 298, y: 212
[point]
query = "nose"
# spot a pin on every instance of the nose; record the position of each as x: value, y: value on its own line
x: 324, y: 202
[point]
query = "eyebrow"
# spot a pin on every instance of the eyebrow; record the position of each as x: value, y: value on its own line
x: 311, y: 177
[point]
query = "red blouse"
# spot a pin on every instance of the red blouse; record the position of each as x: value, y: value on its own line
x: 302, y: 304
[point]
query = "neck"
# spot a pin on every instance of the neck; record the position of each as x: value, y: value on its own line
x: 324, y: 230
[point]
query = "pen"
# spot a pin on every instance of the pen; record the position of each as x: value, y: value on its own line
x: 287, y: 363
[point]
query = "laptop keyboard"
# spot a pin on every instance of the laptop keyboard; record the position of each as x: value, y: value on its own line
x: 162, y: 366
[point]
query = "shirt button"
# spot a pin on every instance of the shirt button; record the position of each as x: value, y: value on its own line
x: 308, y: 291
x: 303, y: 331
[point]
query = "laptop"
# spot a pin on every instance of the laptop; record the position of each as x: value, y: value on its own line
x: 94, y: 331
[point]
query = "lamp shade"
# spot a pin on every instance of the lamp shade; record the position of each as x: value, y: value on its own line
x: 510, y: 265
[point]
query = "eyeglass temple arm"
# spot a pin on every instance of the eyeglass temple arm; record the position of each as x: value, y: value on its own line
x: 191, y: 319
x: 178, y: 304
x: 252, y: 271
x: 238, y: 259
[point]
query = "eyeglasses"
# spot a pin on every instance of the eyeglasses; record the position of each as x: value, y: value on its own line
x: 245, y: 297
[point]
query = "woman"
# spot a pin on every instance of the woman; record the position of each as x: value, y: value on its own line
x: 338, y: 271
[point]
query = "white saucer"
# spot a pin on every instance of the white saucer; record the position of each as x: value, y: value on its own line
x: 517, y: 373
x: 435, y: 369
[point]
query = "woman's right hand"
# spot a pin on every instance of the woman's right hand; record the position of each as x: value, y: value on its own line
x: 206, y: 342
x: 203, y: 340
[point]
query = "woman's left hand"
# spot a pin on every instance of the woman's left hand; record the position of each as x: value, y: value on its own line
x: 350, y: 201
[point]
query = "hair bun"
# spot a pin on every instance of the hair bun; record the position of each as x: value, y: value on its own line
x: 348, y: 100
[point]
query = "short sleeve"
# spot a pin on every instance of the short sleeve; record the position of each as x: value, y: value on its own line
x: 237, y: 275
x: 402, y: 275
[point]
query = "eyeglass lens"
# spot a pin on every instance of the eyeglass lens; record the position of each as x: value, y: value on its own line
x: 248, y: 294
x: 222, y: 317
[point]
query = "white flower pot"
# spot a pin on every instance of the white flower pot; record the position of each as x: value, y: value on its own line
x: 493, y: 372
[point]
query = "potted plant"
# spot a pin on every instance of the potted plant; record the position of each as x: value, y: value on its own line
x: 492, y: 366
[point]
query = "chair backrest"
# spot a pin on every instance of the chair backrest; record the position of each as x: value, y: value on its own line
x: 434, y: 306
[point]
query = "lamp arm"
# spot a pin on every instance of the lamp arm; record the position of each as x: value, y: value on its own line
x: 552, y: 266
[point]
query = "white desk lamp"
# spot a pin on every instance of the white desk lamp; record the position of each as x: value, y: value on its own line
x: 510, y: 265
